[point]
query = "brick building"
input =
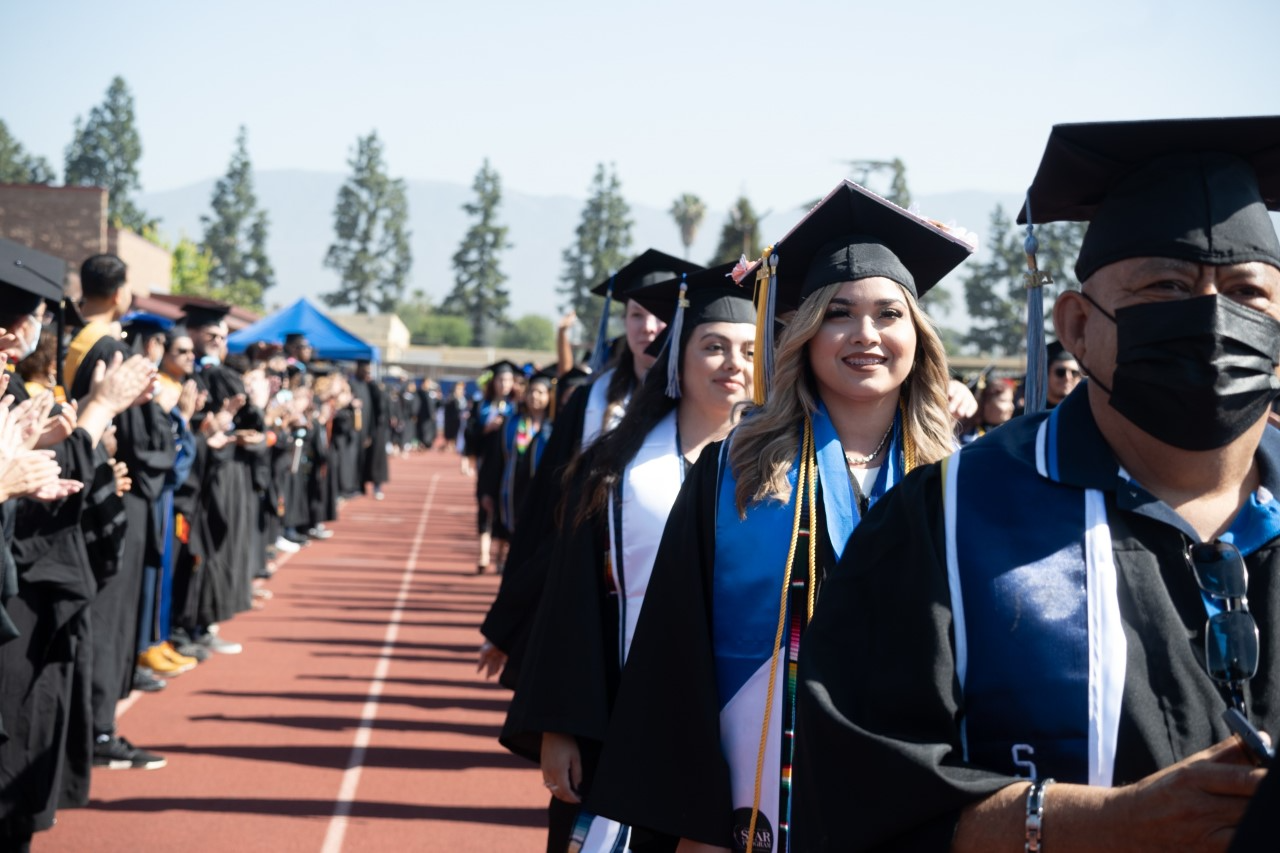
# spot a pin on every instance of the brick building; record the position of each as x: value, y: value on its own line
x: 71, y: 223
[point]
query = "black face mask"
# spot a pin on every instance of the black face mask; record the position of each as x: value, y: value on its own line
x: 1193, y: 373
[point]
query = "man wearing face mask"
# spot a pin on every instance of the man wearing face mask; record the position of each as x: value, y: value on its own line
x: 1083, y: 595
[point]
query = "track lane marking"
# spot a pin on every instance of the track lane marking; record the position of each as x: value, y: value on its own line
x: 364, y: 732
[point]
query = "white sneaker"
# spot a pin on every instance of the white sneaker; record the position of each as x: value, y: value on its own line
x: 285, y: 546
x: 378, y: 495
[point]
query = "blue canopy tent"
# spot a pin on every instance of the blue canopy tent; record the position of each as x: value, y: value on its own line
x: 328, y: 339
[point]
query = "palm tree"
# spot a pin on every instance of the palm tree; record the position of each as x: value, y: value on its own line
x: 688, y: 212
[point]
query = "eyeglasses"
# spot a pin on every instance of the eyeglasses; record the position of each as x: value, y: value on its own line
x: 1064, y: 372
x: 1230, y: 634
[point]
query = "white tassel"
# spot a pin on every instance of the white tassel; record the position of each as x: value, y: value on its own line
x: 673, y: 342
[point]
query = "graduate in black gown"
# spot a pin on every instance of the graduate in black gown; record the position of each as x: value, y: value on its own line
x: 857, y: 398
x: 487, y: 429
x: 428, y: 406
x: 375, y: 408
x: 591, y: 411
x: 524, y: 441
x: 1082, y: 594
x: 49, y: 576
x: 617, y: 498
x: 145, y: 444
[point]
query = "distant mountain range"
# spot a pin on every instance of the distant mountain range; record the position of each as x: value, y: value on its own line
x: 300, y: 205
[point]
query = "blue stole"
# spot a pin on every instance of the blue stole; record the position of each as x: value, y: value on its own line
x: 512, y: 456
x: 1040, y: 647
x: 750, y: 563
x: 1022, y: 570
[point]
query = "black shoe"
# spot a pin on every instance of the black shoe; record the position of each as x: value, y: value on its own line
x: 192, y: 650
x: 147, y: 681
x: 118, y: 754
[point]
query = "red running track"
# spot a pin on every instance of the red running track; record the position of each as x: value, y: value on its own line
x: 353, y: 721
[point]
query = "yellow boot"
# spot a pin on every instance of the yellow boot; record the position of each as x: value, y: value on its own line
x: 155, y: 660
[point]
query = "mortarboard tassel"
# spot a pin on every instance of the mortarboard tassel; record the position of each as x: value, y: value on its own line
x: 600, y: 353
x: 1037, y: 367
x: 766, y: 295
x: 673, y: 342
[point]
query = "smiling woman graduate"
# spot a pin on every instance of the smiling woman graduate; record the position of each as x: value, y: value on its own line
x: 858, y: 397
x: 617, y: 498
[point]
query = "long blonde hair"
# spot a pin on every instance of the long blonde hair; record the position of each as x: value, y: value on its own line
x: 765, y: 445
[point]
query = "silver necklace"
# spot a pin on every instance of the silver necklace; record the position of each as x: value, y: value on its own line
x: 864, y: 460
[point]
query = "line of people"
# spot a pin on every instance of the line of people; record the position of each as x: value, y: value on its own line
x: 149, y: 482
x: 778, y: 584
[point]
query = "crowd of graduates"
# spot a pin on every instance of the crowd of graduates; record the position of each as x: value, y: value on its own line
x: 150, y: 482
x: 779, y: 582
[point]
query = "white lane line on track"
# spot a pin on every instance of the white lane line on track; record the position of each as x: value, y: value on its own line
x: 351, y: 776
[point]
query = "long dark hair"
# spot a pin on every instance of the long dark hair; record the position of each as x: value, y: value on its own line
x: 623, y: 379
x: 603, y: 464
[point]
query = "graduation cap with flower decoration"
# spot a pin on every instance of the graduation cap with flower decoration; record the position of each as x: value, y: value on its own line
x: 1188, y: 189
x: 850, y: 235
x: 707, y: 296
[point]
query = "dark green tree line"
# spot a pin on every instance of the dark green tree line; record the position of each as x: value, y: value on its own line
x: 235, y: 235
x: 370, y: 250
x: 478, y: 293
x: 104, y: 152
x: 602, y: 245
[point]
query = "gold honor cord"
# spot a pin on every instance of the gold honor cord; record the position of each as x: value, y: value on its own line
x: 759, y: 383
x: 806, y: 475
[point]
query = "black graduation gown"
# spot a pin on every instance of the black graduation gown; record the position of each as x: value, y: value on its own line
x: 428, y: 405
x: 44, y: 671
x: 667, y: 712
x: 510, y: 617
x: 374, y: 431
x: 344, y: 454
x: 878, y: 762
x: 453, y: 409
x: 144, y: 443
x: 188, y: 571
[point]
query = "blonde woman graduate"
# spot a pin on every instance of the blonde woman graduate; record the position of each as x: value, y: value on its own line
x: 617, y: 497
x: 699, y: 745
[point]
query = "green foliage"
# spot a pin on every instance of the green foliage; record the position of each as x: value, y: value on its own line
x: 532, y: 331
x: 601, y: 247
x: 688, y: 211
x: 371, y: 246
x: 478, y: 294
x: 19, y: 167
x: 740, y: 234
x: 429, y: 328
x: 995, y: 291
x: 104, y: 152
x: 236, y: 235
x: 898, y: 192
x: 193, y: 267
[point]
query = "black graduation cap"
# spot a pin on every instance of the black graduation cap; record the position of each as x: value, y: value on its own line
x: 854, y: 233
x: 1057, y: 352
x: 503, y: 366
x: 647, y: 268
x: 712, y: 296
x: 708, y: 296
x: 28, y: 277
x: 1189, y: 189
x: 199, y: 315
x: 548, y: 375
x: 293, y: 338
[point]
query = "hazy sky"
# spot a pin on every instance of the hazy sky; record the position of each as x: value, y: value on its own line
x: 712, y: 98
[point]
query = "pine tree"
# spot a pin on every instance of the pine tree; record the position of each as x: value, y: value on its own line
x: 740, y: 234
x: 688, y: 211
x: 478, y: 294
x: 104, y: 152
x: 601, y: 247
x: 371, y: 246
x: 995, y: 291
x: 236, y: 234
x: 19, y: 167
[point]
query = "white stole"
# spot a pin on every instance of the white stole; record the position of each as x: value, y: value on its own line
x: 649, y: 488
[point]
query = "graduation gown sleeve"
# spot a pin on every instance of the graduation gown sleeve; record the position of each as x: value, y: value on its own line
x: 662, y: 766
x: 570, y: 671
x: 510, y: 617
